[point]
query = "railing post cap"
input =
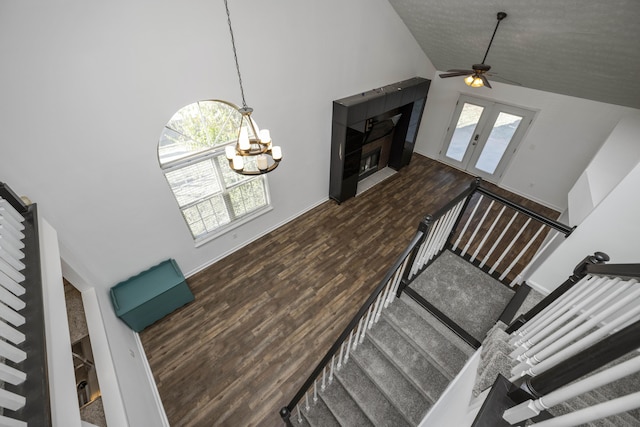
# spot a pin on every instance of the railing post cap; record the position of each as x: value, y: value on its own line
x: 285, y: 413
x: 601, y: 257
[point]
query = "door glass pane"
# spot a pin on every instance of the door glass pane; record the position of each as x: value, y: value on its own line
x: 465, y: 128
x: 503, y: 130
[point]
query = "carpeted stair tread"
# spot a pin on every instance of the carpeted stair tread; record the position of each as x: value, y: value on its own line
x: 399, y: 390
x: 449, y: 357
x: 318, y: 415
x: 345, y: 410
x: 412, y: 362
x: 370, y: 399
x: 478, y: 307
x: 436, y: 324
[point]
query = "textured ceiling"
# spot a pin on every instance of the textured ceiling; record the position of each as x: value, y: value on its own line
x: 584, y: 48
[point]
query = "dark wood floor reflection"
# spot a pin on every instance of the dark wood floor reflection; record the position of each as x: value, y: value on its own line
x: 239, y: 352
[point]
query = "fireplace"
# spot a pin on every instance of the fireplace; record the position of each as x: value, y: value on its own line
x: 377, y: 142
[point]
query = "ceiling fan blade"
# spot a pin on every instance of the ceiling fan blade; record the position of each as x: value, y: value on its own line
x: 445, y: 75
x: 485, y: 81
x: 460, y: 71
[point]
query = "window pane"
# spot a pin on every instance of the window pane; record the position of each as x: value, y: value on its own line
x: 194, y: 182
x: 503, y: 130
x: 465, y: 128
x: 207, y: 215
x: 248, y: 197
x: 228, y: 175
x: 198, y: 127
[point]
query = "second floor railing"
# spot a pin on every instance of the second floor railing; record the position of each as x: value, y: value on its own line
x: 24, y: 396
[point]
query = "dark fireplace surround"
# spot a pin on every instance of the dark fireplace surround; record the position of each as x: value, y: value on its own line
x: 373, y: 130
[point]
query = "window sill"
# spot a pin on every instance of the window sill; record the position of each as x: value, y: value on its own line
x: 232, y: 226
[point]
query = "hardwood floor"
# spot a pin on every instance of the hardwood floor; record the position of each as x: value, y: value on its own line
x: 238, y: 353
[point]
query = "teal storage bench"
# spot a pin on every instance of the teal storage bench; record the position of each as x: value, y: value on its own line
x: 149, y: 296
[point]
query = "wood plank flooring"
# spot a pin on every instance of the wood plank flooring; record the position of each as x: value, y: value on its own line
x: 238, y: 353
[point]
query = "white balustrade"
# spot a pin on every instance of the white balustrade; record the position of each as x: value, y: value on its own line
x: 595, y: 412
x: 466, y: 225
x: 531, y: 408
x: 498, y: 240
x: 486, y: 235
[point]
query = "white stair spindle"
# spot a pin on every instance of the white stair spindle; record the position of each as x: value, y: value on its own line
x: 398, y: 280
x: 376, y: 310
x: 509, y: 246
x: 521, y: 253
x: 333, y: 360
x: 8, y: 229
x: 8, y: 314
x: 486, y: 235
x: 466, y: 225
x: 306, y: 401
x: 10, y: 422
x: 11, y: 334
x: 358, y: 332
x: 498, y: 240
x: 12, y: 247
x: 522, y: 276
x: 6, y: 208
x: 531, y: 408
x: 11, y: 300
x: 385, y: 292
x: 11, y: 375
x: 11, y: 400
x: 346, y: 356
x: 12, y: 353
x: 324, y: 377
x: 11, y: 285
x: 299, y: 414
x: 339, y: 366
x: 575, y: 322
x: 478, y: 226
x: 559, y: 307
x: 315, y: 391
x: 552, y: 355
x: 11, y: 260
x: 559, y: 322
x: 7, y: 269
x: 595, y: 412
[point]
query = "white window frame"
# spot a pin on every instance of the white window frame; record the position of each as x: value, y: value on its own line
x: 211, y: 155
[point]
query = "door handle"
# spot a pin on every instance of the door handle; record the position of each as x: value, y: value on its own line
x: 475, y: 139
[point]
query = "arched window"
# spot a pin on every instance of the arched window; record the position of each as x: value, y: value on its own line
x: 212, y: 197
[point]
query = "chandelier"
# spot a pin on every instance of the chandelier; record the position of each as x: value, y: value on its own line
x: 253, y: 153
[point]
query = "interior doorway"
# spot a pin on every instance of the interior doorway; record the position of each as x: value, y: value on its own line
x: 483, y: 135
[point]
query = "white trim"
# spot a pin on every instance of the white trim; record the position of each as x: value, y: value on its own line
x: 537, y: 287
x: 256, y: 237
x: 452, y: 408
x: 206, y: 238
x: 112, y: 402
x: 152, y: 381
x: 534, y: 198
x: 65, y: 411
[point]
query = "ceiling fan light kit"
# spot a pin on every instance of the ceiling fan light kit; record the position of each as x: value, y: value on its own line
x: 476, y: 76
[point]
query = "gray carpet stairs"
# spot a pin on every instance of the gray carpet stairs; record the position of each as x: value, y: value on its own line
x: 394, y: 376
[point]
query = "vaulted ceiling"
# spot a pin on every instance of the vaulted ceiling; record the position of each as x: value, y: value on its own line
x: 584, y: 48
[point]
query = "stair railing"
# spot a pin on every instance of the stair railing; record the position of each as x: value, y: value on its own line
x: 353, y: 334
x: 24, y: 396
x: 583, y: 340
x: 492, y: 226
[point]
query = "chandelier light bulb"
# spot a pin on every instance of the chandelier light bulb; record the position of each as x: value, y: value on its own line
x: 238, y: 163
x: 230, y: 152
x: 265, y: 136
x: 243, y: 140
x: 276, y: 153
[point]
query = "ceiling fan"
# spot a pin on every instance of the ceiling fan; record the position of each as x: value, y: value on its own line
x: 476, y: 76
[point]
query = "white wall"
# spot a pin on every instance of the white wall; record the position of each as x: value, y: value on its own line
x: 612, y: 226
x: 88, y: 86
x: 558, y: 146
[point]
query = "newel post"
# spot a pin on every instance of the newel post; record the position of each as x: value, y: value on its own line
x: 578, y: 273
x: 285, y: 414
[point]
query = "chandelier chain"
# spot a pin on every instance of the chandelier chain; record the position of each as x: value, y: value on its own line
x: 235, y: 54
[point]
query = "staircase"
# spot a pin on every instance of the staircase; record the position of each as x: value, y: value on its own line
x: 393, y: 376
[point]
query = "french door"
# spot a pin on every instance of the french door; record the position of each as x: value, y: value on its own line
x: 483, y: 135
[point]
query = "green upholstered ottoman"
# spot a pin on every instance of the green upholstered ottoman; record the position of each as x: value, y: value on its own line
x: 149, y: 296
